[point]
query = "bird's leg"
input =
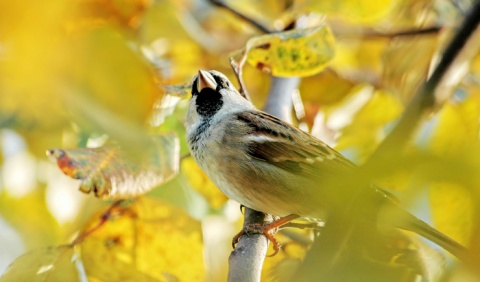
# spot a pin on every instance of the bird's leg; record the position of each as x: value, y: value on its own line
x: 265, y: 229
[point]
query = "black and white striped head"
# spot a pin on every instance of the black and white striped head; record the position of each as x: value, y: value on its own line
x: 213, y: 97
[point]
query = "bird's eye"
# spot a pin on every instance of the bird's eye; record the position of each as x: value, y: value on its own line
x: 227, y: 83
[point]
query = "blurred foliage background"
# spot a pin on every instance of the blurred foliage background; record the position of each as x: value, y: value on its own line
x: 87, y: 73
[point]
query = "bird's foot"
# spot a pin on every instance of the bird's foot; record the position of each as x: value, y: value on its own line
x: 268, y: 230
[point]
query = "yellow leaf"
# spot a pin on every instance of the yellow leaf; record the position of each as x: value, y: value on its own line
x: 475, y: 65
x: 365, y: 56
x: 121, y: 12
x: 45, y: 67
x: 145, y: 240
x: 406, y: 63
x: 200, y: 182
x: 408, y: 14
x: 452, y: 210
x: 366, y: 130
x: 354, y: 11
x: 383, y: 107
x: 455, y: 131
x: 257, y: 83
x: 30, y: 215
x: 300, y: 52
x: 99, y: 59
x: 47, y: 264
x: 111, y: 73
x: 168, y: 44
x: 460, y: 119
x: 28, y: 86
x: 325, y: 88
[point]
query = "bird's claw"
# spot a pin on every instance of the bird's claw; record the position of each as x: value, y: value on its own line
x: 265, y: 229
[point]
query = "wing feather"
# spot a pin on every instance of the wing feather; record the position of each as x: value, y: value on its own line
x: 286, y: 147
x: 289, y: 148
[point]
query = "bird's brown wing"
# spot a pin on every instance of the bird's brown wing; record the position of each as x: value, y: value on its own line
x: 286, y: 147
x: 289, y: 148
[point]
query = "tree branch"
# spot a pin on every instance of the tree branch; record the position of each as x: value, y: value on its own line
x: 246, y: 260
x: 279, y: 100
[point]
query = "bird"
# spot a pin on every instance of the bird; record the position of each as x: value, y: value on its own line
x: 273, y: 167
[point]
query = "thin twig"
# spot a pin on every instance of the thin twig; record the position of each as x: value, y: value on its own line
x: 103, y: 219
x: 411, y: 32
x: 237, y: 69
x: 370, y: 33
x: 256, y: 24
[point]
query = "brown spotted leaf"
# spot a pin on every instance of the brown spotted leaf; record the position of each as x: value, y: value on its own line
x: 111, y: 172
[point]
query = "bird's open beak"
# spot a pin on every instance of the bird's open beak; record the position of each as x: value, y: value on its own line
x: 205, y: 80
